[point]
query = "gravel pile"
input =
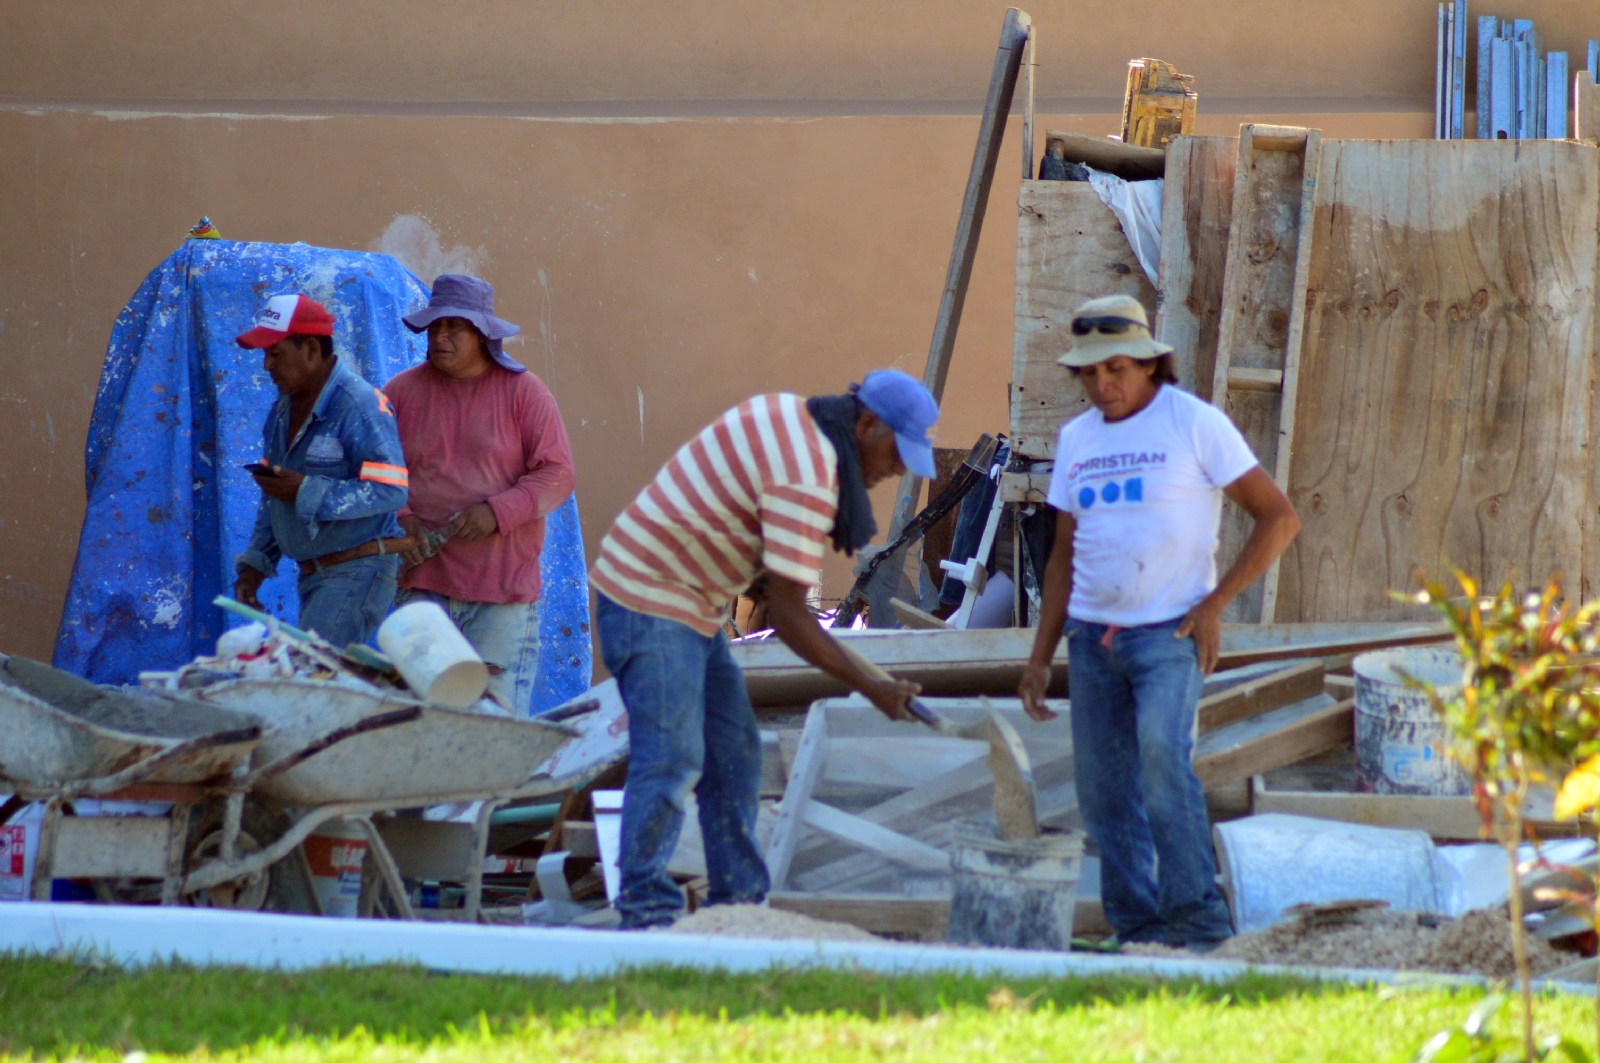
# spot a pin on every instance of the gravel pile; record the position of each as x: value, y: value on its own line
x: 1478, y: 943
x: 759, y: 921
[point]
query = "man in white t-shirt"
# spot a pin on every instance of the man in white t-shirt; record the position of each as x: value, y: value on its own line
x: 1138, y: 487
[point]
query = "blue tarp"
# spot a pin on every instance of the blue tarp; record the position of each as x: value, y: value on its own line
x: 178, y: 413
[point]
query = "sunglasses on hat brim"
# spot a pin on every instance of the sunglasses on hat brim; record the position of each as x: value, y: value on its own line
x: 1110, y: 326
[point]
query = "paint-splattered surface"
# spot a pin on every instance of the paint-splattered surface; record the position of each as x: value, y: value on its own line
x: 179, y: 411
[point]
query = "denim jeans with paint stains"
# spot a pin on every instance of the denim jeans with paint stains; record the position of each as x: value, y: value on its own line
x: 1133, y: 712
x: 504, y: 634
x: 690, y: 726
x: 346, y: 603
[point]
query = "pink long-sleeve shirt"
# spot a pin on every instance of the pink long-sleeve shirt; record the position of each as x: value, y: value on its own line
x: 495, y: 438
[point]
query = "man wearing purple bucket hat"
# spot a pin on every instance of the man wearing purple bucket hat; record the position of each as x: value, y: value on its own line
x: 489, y: 460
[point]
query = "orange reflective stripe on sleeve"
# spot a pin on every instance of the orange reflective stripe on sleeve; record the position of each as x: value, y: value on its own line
x: 385, y: 474
x: 383, y: 403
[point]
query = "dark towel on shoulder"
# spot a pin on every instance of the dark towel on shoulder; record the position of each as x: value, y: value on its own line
x: 853, y: 526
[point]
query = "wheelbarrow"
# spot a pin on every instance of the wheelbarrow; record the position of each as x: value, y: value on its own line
x: 438, y: 756
x: 62, y: 738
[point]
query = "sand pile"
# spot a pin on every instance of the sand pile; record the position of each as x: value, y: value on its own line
x: 1478, y: 943
x: 759, y: 921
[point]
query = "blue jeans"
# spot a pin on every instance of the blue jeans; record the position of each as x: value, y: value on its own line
x: 504, y: 634
x: 1133, y: 711
x: 346, y: 603
x: 690, y: 726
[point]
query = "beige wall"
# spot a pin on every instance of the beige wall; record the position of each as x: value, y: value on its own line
x: 692, y: 261
x: 560, y: 50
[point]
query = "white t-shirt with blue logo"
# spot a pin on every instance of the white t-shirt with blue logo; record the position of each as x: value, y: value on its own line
x: 1146, y: 492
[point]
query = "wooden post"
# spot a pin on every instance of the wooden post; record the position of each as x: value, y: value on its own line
x: 997, y: 108
x: 808, y: 763
x: 1028, y: 63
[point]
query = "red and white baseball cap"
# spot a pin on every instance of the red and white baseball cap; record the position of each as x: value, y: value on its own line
x: 287, y: 315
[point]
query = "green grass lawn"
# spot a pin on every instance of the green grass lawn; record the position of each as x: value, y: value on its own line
x: 59, y: 1009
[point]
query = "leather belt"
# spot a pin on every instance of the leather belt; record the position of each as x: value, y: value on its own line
x: 374, y: 548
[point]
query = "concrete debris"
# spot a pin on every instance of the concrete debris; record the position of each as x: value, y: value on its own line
x: 1478, y: 943
x: 759, y: 921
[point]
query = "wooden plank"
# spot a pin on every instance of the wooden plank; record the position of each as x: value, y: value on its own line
x: 960, y: 663
x: 808, y: 764
x: 1057, y: 804
x: 1268, y: 381
x: 1477, y: 455
x: 1279, y: 738
x: 1197, y: 207
x: 880, y: 841
x: 1070, y: 249
x: 1263, y: 318
x: 1445, y: 818
x: 1257, y: 696
x: 889, y: 914
x: 916, y: 619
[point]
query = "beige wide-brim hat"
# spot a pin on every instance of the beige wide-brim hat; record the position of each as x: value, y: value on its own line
x: 1095, y: 346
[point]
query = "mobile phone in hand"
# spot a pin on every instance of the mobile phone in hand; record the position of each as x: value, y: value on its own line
x: 260, y: 469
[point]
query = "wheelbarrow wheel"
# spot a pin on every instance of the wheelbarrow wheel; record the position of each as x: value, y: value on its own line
x: 264, y: 890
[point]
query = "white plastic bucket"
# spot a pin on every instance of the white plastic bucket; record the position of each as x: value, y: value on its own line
x: 433, y: 656
x: 336, y: 852
x: 1401, y: 743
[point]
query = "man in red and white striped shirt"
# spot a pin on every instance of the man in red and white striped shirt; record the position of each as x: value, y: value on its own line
x: 757, y: 492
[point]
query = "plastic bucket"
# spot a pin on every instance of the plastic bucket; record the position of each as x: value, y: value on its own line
x: 1019, y: 895
x: 1401, y: 743
x: 336, y: 852
x: 432, y: 655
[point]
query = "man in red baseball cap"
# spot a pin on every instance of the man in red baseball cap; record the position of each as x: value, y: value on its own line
x: 332, y: 477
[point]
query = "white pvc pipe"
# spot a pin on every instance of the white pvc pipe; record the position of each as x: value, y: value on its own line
x: 136, y: 936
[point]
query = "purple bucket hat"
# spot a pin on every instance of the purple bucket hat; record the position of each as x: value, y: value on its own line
x: 457, y: 295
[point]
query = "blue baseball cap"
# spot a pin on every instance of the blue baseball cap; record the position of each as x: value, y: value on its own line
x: 902, y: 403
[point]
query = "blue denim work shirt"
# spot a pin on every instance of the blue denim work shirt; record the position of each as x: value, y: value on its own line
x: 355, y: 475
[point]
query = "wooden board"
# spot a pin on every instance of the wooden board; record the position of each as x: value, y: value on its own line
x: 1070, y: 249
x: 1445, y: 374
x: 1263, y: 318
x: 1277, y: 739
x: 1257, y: 696
x: 990, y: 661
x: 1197, y: 211
x: 808, y: 764
x: 1445, y: 818
x: 889, y: 914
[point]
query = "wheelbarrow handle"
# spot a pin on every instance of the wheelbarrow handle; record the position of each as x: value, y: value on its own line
x: 379, y: 722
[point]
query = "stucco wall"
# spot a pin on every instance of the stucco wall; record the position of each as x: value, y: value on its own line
x: 558, y: 50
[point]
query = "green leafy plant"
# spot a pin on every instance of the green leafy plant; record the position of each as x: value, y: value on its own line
x: 1527, y: 710
x: 1475, y: 1041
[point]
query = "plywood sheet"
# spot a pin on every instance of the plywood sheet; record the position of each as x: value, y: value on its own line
x: 1070, y: 249
x: 1197, y: 211
x: 1443, y: 411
